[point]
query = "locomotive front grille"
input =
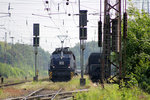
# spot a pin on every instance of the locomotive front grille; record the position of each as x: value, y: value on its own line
x: 61, y: 72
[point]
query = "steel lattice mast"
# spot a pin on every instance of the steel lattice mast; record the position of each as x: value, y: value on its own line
x: 112, y: 29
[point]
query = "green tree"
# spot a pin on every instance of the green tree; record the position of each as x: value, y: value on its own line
x: 138, y: 46
x: 20, y: 60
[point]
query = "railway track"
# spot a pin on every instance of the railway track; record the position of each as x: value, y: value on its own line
x: 17, y: 83
x: 12, y: 84
x: 41, y: 94
x: 33, y: 93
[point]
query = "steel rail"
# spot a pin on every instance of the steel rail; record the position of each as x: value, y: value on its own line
x: 56, y: 94
x: 33, y: 93
x: 61, y: 93
x: 17, y: 83
x: 11, y: 84
x: 49, y: 96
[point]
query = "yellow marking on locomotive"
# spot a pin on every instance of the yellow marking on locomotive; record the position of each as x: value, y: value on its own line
x: 72, y: 74
x: 50, y: 75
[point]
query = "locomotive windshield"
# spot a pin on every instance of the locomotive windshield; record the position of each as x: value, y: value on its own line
x: 57, y: 56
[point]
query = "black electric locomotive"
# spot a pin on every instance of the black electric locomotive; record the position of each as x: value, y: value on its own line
x: 62, y: 65
x: 93, y: 67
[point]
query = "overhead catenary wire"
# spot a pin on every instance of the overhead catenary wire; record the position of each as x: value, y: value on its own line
x: 61, y: 26
x: 52, y: 19
x: 53, y: 4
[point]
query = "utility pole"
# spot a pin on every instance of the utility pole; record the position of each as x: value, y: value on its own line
x: 82, y: 37
x: 36, y: 44
x: 100, y: 45
x: 119, y: 34
x: 12, y: 38
x: 5, y: 46
x: 6, y: 14
x: 36, y: 71
x: 124, y: 40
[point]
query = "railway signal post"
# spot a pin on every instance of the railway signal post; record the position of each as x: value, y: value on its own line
x: 36, y: 44
x: 100, y: 45
x: 82, y: 36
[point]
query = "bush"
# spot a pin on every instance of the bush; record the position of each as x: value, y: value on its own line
x: 148, y: 89
x: 144, y: 85
x: 147, y: 73
x: 9, y: 71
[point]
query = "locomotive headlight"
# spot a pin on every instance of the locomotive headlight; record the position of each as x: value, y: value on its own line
x: 53, y: 66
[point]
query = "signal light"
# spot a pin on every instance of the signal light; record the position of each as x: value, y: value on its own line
x: 115, y: 36
x: 125, y: 25
x: 100, y: 33
x: 83, y: 18
x: 83, y: 33
x: 67, y: 3
x: 46, y: 2
x: 36, y: 29
x: 69, y: 14
x: 35, y: 41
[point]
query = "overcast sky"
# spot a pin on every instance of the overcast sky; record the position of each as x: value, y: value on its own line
x: 52, y: 23
x: 20, y: 24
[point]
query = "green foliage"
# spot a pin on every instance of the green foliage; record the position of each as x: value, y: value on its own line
x: 112, y: 92
x: 132, y: 82
x: 138, y: 47
x: 9, y: 71
x: 19, y: 60
x: 1, y: 91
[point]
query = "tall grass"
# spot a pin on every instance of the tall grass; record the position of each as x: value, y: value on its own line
x: 112, y: 92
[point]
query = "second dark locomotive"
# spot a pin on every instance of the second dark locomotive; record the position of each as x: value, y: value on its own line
x: 93, y: 68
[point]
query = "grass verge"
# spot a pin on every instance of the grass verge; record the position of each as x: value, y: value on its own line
x: 111, y: 91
